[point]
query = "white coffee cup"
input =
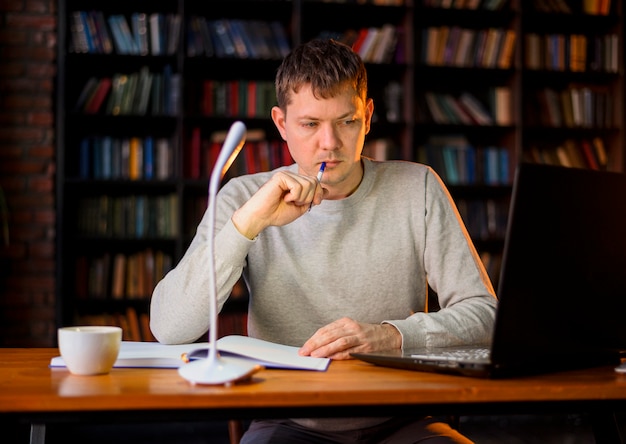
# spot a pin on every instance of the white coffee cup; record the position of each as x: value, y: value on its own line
x: 89, y: 350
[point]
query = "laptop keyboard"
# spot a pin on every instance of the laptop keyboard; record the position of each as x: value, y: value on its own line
x: 470, y: 354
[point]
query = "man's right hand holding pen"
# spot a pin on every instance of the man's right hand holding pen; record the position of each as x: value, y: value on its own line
x: 281, y: 200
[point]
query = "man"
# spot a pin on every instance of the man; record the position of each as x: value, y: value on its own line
x: 338, y: 265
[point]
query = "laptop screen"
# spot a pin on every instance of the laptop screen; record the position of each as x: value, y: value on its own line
x: 562, y: 288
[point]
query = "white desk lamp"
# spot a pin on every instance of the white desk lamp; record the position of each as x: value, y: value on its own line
x: 215, y: 369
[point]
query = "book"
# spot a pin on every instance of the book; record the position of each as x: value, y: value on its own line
x: 87, y: 93
x: 600, y: 150
x: 225, y: 47
x: 444, y: 32
x: 492, y: 45
x: 129, y: 94
x: 119, y: 276
x: 451, y: 46
x: 114, y: 104
x: 122, y: 37
x: 476, y: 109
x: 93, y: 105
x: 138, y: 354
x: 78, y: 42
x: 434, y: 107
x: 93, y: 40
x: 243, y: 46
x: 155, y: 23
x: 589, y: 155
x: 173, y: 33
x: 430, y: 39
x: 135, y: 166
x: 532, y: 53
x: 144, y: 87
x: 163, y: 159
x: 103, y: 32
x: 148, y: 158
x: 502, y: 105
x: 139, y: 24
x: 505, y: 55
x: 466, y: 41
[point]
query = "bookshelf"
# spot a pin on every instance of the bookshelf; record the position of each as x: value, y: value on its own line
x: 573, y: 73
x: 467, y: 85
x: 549, y: 79
x: 462, y: 85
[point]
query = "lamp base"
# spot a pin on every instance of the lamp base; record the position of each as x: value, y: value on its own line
x: 219, y: 371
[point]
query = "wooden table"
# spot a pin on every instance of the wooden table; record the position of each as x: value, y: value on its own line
x: 32, y: 392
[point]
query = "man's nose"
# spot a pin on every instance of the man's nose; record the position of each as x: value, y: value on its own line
x: 329, y: 139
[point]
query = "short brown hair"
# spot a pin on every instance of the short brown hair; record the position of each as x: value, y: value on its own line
x: 325, y: 64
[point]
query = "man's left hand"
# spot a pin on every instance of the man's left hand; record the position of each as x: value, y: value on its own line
x: 344, y: 336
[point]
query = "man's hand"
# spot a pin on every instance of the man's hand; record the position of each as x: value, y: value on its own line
x: 344, y: 336
x: 281, y: 200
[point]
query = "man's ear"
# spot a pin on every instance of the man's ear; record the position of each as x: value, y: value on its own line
x: 369, y: 112
x: 278, y: 116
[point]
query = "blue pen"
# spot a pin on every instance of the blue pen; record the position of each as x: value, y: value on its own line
x: 320, y: 173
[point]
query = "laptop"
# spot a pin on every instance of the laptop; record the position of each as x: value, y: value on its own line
x: 562, y: 287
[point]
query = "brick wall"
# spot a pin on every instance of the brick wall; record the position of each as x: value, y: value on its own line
x: 27, y: 171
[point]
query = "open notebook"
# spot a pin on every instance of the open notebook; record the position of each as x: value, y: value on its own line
x: 155, y: 355
x: 562, y: 288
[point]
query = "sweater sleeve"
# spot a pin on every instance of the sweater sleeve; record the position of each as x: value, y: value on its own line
x: 456, y: 273
x: 180, y: 305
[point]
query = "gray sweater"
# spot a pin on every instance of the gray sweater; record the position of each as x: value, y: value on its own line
x: 369, y: 257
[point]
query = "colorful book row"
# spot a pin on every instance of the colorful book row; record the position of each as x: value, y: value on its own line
x: 468, y: 48
x: 597, y: 7
x: 257, y: 155
x: 460, y: 163
x: 466, y: 108
x: 133, y: 158
x: 583, y: 153
x: 146, y: 34
x: 584, y: 107
x: 237, y: 98
x: 138, y: 93
x: 592, y: 7
x: 244, y: 39
x: 117, y: 276
x: 129, y: 217
x: 573, y: 52
x: 373, y: 44
x: 490, y: 5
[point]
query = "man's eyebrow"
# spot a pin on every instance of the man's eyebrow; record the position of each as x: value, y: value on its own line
x: 342, y: 116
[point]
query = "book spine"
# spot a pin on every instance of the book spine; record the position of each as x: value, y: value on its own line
x: 148, y: 158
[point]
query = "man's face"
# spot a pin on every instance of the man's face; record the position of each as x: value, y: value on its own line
x: 327, y: 130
